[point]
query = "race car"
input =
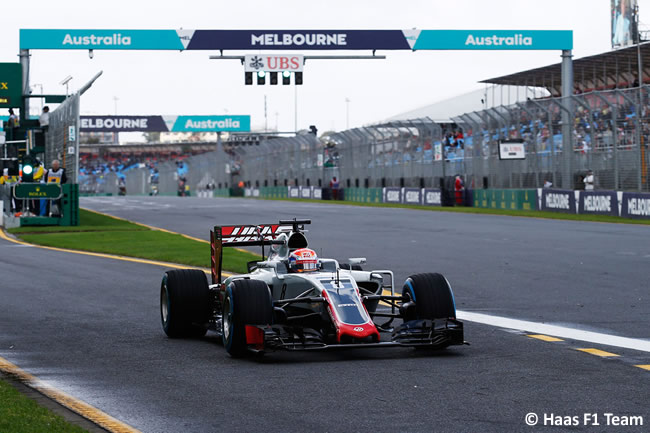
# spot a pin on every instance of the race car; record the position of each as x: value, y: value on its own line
x: 294, y: 300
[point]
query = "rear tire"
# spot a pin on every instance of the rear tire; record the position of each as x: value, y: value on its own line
x: 432, y: 296
x: 185, y: 303
x: 247, y: 302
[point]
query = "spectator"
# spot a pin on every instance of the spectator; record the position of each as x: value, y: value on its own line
x: 56, y: 174
x: 548, y: 183
x: 13, y: 123
x: 459, y: 189
x: 44, y: 120
x: 589, y: 181
x: 459, y: 139
x: 334, y: 186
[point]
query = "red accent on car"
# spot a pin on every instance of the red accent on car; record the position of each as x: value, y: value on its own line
x: 255, y: 336
x: 369, y: 328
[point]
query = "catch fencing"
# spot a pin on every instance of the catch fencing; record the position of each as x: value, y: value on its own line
x: 609, y: 135
x: 63, y: 137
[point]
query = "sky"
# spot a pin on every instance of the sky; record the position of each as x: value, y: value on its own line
x: 170, y: 82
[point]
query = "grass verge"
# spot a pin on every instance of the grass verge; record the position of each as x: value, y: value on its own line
x: 20, y: 414
x: 482, y: 211
x: 104, y: 234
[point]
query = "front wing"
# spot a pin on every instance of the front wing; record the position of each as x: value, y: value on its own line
x: 433, y: 334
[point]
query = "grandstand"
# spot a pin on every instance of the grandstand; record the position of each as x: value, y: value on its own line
x: 609, y: 135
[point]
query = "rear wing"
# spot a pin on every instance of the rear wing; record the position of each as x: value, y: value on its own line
x: 246, y: 236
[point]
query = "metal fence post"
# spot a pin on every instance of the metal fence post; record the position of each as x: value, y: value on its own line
x: 614, y: 137
x: 637, y: 133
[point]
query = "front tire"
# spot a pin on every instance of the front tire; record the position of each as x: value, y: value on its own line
x: 432, y: 296
x: 185, y: 303
x: 247, y: 302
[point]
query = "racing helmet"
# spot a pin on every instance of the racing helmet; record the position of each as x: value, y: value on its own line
x: 303, y: 260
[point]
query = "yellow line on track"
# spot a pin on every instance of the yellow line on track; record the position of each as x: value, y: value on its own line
x: 157, y: 228
x: 544, y: 337
x: 87, y: 411
x: 644, y: 366
x: 4, y: 236
x: 598, y: 352
x: 84, y: 409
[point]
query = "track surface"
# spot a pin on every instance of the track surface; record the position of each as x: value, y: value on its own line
x: 592, y: 274
x: 90, y: 326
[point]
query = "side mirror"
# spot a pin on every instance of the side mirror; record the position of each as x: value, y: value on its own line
x: 357, y: 261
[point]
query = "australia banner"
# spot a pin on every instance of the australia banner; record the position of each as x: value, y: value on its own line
x: 411, y: 39
x: 165, y: 123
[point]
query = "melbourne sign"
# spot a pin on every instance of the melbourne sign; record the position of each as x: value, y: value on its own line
x: 432, y: 197
x: 635, y: 205
x: 412, y: 195
x: 165, y: 123
x: 122, y: 123
x: 392, y: 195
x: 598, y: 202
x: 558, y: 200
x: 412, y: 39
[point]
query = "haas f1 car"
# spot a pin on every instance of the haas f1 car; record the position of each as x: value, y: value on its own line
x: 293, y: 300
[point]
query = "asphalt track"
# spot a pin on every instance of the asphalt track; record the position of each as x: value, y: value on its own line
x: 90, y: 326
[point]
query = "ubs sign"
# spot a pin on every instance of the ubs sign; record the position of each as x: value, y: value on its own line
x: 274, y: 62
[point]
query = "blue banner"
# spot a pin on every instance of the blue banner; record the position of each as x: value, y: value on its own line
x: 298, y: 40
x: 432, y: 197
x: 598, y: 202
x: 412, y: 195
x: 558, y: 200
x: 392, y: 195
x: 212, y: 123
x: 494, y: 40
x: 122, y: 123
x: 73, y: 39
x: 635, y: 205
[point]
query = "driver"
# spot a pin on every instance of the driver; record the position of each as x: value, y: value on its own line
x: 303, y: 260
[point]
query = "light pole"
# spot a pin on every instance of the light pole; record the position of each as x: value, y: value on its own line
x: 41, y: 87
x: 347, y: 113
x: 116, y: 137
x: 65, y: 82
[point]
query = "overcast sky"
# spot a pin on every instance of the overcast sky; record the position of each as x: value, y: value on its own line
x: 148, y: 82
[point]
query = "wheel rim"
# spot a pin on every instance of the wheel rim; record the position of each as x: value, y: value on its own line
x: 164, y: 304
x: 227, y: 319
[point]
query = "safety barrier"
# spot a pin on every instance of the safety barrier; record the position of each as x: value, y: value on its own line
x: 274, y: 192
x: 510, y: 199
x: 363, y: 195
x: 616, y: 203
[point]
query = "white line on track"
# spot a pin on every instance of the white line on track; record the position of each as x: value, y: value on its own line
x: 556, y: 331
